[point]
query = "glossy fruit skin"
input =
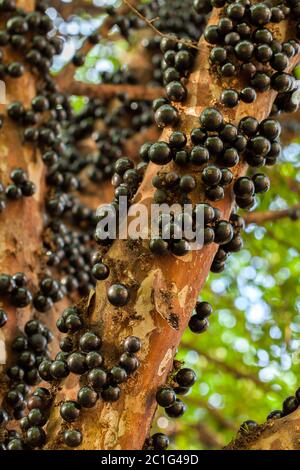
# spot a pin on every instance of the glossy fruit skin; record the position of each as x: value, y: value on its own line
x: 248, y: 95
x: 203, y: 309
x: 248, y: 426
x: 93, y: 360
x: 175, y: 91
x: 198, y: 325
x: 223, y: 232
x: 160, y: 153
x: 218, y: 55
x: 70, y: 411
x: 129, y: 362
x: 228, y: 70
x: 276, y: 414
x: 118, y: 375
x: 76, y: 363
x: 186, y: 377
x: 177, y: 409
x: 100, y: 271
x: 132, y: 344
x: 160, y: 441
x: 261, y: 183
x: 97, y: 378
x: 87, y: 397
x: 248, y: 126
x: 289, y: 405
x: 244, y: 50
x: 72, y: 438
x: 211, y: 119
x: 158, y: 246
x: 165, y: 396
x: 260, y: 14
x: 90, y: 342
x: 118, y: 295
x: 180, y: 247
x: 214, y: 145
x: 229, y: 133
x: 270, y: 129
x: 211, y: 175
x: 261, y: 81
x: 111, y: 394
x: 177, y: 140
x: 279, y: 62
x: 166, y: 115
x: 59, y: 370
x: 35, y: 437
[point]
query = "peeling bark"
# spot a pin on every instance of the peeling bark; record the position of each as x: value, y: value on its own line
x: 21, y: 223
x: 279, y: 434
x: 163, y: 291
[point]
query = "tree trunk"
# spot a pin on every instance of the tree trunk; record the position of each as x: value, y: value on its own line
x: 163, y: 291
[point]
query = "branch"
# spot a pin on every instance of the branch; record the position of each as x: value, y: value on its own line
x: 76, y: 7
x: 214, y: 412
x: 163, y: 290
x: 66, y: 75
x: 278, y: 434
x: 149, y: 23
x: 107, y: 91
x: 260, y: 218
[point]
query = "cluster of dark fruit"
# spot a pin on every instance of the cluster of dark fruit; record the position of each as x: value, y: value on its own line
x: 87, y: 361
x: 20, y: 187
x: 32, y: 434
x: 14, y: 289
x: 30, y: 350
x: 26, y: 33
x: 70, y: 252
x: 244, y: 46
x: 177, y: 63
x: 289, y: 405
x: 172, y: 18
x: 127, y: 178
x: 174, y: 407
x: 119, y: 123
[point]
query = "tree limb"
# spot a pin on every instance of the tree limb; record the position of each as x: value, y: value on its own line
x: 222, y: 421
x: 65, y: 76
x: 279, y: 434
x: 260, y: 218
x: 76, y: 7
x: 107, y: 91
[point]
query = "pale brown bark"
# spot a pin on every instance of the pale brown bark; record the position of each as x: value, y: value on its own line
x: 163, y: 292
x: 279, y: 434
x: 107, y: 91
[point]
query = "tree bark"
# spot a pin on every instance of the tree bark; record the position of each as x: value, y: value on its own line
x: 21, y: 223
x: 108, y: 90
x: 279, y: 434
x: 163, y: 291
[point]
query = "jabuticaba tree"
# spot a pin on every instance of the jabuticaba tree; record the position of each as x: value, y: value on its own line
x: 124, y: 304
